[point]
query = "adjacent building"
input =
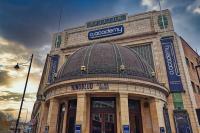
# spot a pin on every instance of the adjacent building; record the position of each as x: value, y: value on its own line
x: 119, y: 74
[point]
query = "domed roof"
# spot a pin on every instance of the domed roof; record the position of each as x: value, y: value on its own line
x: 104, y: 60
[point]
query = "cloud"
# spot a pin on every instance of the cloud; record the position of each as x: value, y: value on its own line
x: 196, y: 10
x: 150, y: 4
x: 5, y: 79
x: 194, y: 7
x: 14, y: 80
x: 13, y: 96
x: 9, y: 109
x: 28, y: 22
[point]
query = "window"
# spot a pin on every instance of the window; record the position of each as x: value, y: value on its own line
x: 198, y: 89
x: 58, y: 41
x: 145, y: 51
x: 193, y: 87
x: 197, y: 60
x: 192, y: 65
x: 187, y: 61
x: 198, y: 115
x: 166, y: 119
x: 178, y: 101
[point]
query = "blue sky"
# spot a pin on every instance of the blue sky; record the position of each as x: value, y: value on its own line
x: 26, y: 27
x: 36, y: 19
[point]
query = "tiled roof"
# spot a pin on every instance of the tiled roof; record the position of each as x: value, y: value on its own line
x: 104, y: 60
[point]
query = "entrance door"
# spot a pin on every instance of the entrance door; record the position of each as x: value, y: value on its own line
x: 71, y: 116
x: 103, y: 119
x: 135, y: 116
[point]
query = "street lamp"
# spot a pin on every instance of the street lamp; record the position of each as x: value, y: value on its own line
x: 18, y: 67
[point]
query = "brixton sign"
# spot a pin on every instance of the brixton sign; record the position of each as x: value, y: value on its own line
x: 117, y: 18
x: 106, y: 32
x: 82, y: 86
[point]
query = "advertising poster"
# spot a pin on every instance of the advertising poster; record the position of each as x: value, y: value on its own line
x: 173, y: 73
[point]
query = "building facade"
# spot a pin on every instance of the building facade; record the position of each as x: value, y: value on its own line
x: 119, y: 74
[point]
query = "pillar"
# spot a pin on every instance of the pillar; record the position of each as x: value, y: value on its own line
x: 43, y: 116
x: 65, y: 118
x: 146, y: 117
x: 52, y: 115
x: 124, y: 110
x: 156, y: 111
x: 81, y: 113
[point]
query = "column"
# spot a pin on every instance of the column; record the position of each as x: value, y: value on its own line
x: 81, y: 111
x: 43, y: 116
x: 52, y: 115
x: 156, y: 111
x: 65, y: 118
x: 124, y: 115
x: 146, y: 117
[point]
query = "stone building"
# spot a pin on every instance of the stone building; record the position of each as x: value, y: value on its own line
x: 119, y: 74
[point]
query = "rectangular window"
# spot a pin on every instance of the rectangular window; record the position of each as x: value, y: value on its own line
x: 197, y: 60
x: 198, y: 89
x: 178, y: 101
x: 145, y: 52
x: 193, y: 87
x: 192, y: 64
x: 198, y: 115
x: 58, y: 41
x: 187, y: 61
x: 167, y: 121
x: 182, y: 121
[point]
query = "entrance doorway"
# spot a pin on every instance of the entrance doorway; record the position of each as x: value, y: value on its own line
x: 103, y: 115
x: 135, y: 118
x: 71, y: 116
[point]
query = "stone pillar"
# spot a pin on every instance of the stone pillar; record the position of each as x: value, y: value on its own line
x: 43, y: 116
x: 146, y: 117
x: 53, y: 115
x: 123, y: 100
x: 65, y: 118
x: 156, y: 111
x: 81, y: 113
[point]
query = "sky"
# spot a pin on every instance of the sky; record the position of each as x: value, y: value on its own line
x: 26, y: 26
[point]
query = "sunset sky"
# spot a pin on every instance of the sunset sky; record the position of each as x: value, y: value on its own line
x: 26, y: 27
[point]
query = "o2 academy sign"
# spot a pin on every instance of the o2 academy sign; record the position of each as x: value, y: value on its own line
x: 106, y: 32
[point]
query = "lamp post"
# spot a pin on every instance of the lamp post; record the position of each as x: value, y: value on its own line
x: 22, y: 100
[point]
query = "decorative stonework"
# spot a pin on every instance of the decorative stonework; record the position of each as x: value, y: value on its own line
x: 107, y: 88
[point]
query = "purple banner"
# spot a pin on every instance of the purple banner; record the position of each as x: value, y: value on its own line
x: 53, y: 67
x: 173, y: 73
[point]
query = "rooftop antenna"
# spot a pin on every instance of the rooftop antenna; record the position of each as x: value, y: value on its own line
x: 60, y: 16
x: 59, y: 20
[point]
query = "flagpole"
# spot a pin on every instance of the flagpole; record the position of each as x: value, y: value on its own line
x: 161, y: 13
